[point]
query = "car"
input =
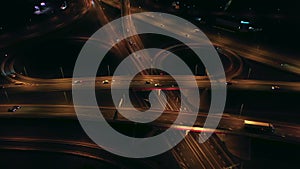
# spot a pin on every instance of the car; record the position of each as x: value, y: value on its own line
x: 157, y: 85
x: 228, y: 83
x: 12, y: 109
x: 196, y: 30
x: 131, y: 42
x: 19, y: 83
x: 105, y: 82
x: 275, y: 87
x: 17, y: 107
x: 259, y: 127
x: 147, y: 102
x: 64, y: 5
x: 77, y: 82
x: 148, y: 82
x: 12, y: 75
x: 43, y: 8
x: 284, y: 65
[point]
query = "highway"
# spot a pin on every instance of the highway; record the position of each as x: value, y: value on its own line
x: 230, y: 124
x: 181, y: 151
x: 51, y: 98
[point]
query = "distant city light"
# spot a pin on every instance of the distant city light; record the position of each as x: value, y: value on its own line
x: 198, y: 19
x: 245, y: 22
x: 64, y: 5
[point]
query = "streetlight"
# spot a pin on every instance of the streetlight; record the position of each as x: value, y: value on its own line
x: 108, y: 70
x: 5, y: 93
x: 62, y: 72
x: 241, y: 109
x: 25, y: 71
x: 249, y: 72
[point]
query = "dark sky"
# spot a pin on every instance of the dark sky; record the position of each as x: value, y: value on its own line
x: 266, y: 6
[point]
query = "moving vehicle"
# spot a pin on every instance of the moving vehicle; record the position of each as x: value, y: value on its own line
x: 12, y: 75
x: 19, y: 83
x: 14, y: 108
x: 258, y: 127
x: 105, y: 82
x: 77, y: 82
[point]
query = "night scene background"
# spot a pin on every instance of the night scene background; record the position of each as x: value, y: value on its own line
x: 257, y: 42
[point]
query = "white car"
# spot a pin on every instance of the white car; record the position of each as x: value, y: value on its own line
x: 105, y: 82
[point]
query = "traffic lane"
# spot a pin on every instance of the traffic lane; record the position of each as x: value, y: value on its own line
x: 277, y: 104
x: 141, y: 82
x: 40, y: 97
x: 287, y: 130
x: 267, y: 105
x: 229, y: 123
x: 259, y: 71
x: 34, y: 110
x: 151, y: 84
x: 67, y: 111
